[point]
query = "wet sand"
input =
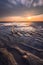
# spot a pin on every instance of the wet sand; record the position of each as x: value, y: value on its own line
x: 21, y: 48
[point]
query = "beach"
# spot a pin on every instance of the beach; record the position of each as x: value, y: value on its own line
x: 21, y: 44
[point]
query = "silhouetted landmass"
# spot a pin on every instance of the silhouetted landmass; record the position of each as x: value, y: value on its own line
x: 20, y: 21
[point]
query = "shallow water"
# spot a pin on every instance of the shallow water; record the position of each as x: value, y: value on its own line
x: 21, y: 42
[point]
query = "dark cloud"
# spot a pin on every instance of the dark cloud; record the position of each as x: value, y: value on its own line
x: 20, y: 7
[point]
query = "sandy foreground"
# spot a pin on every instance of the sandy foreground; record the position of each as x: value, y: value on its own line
x: 21, y: 48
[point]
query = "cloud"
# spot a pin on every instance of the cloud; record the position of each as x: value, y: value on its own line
x: 26, y: 3
x: 20, y: 7
x: 13, y: 2
x: 38, y: 3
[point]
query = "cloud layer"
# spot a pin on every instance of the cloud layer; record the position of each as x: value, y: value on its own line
x: 16, y: 7
x: 27, y: 3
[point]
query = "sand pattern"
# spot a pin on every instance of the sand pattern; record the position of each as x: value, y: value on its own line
x: 21, y: 47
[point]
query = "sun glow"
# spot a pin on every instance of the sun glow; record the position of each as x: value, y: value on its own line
x: 29, y: 18
x: 21, y: 18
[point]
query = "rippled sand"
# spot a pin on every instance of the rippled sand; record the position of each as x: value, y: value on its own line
x: 21, y: 47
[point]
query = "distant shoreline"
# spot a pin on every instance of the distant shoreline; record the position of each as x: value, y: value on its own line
x: 21, y: 21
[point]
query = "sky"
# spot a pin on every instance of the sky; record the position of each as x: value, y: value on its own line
x: 21, y: 9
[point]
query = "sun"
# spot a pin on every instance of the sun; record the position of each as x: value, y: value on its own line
x: 29, y: 18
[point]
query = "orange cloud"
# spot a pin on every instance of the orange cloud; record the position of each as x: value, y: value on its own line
x: 14, y: 18
x: 36, y: 18
x: 19, y: 18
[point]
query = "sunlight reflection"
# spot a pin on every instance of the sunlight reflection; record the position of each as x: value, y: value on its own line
x: 20, y: 26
